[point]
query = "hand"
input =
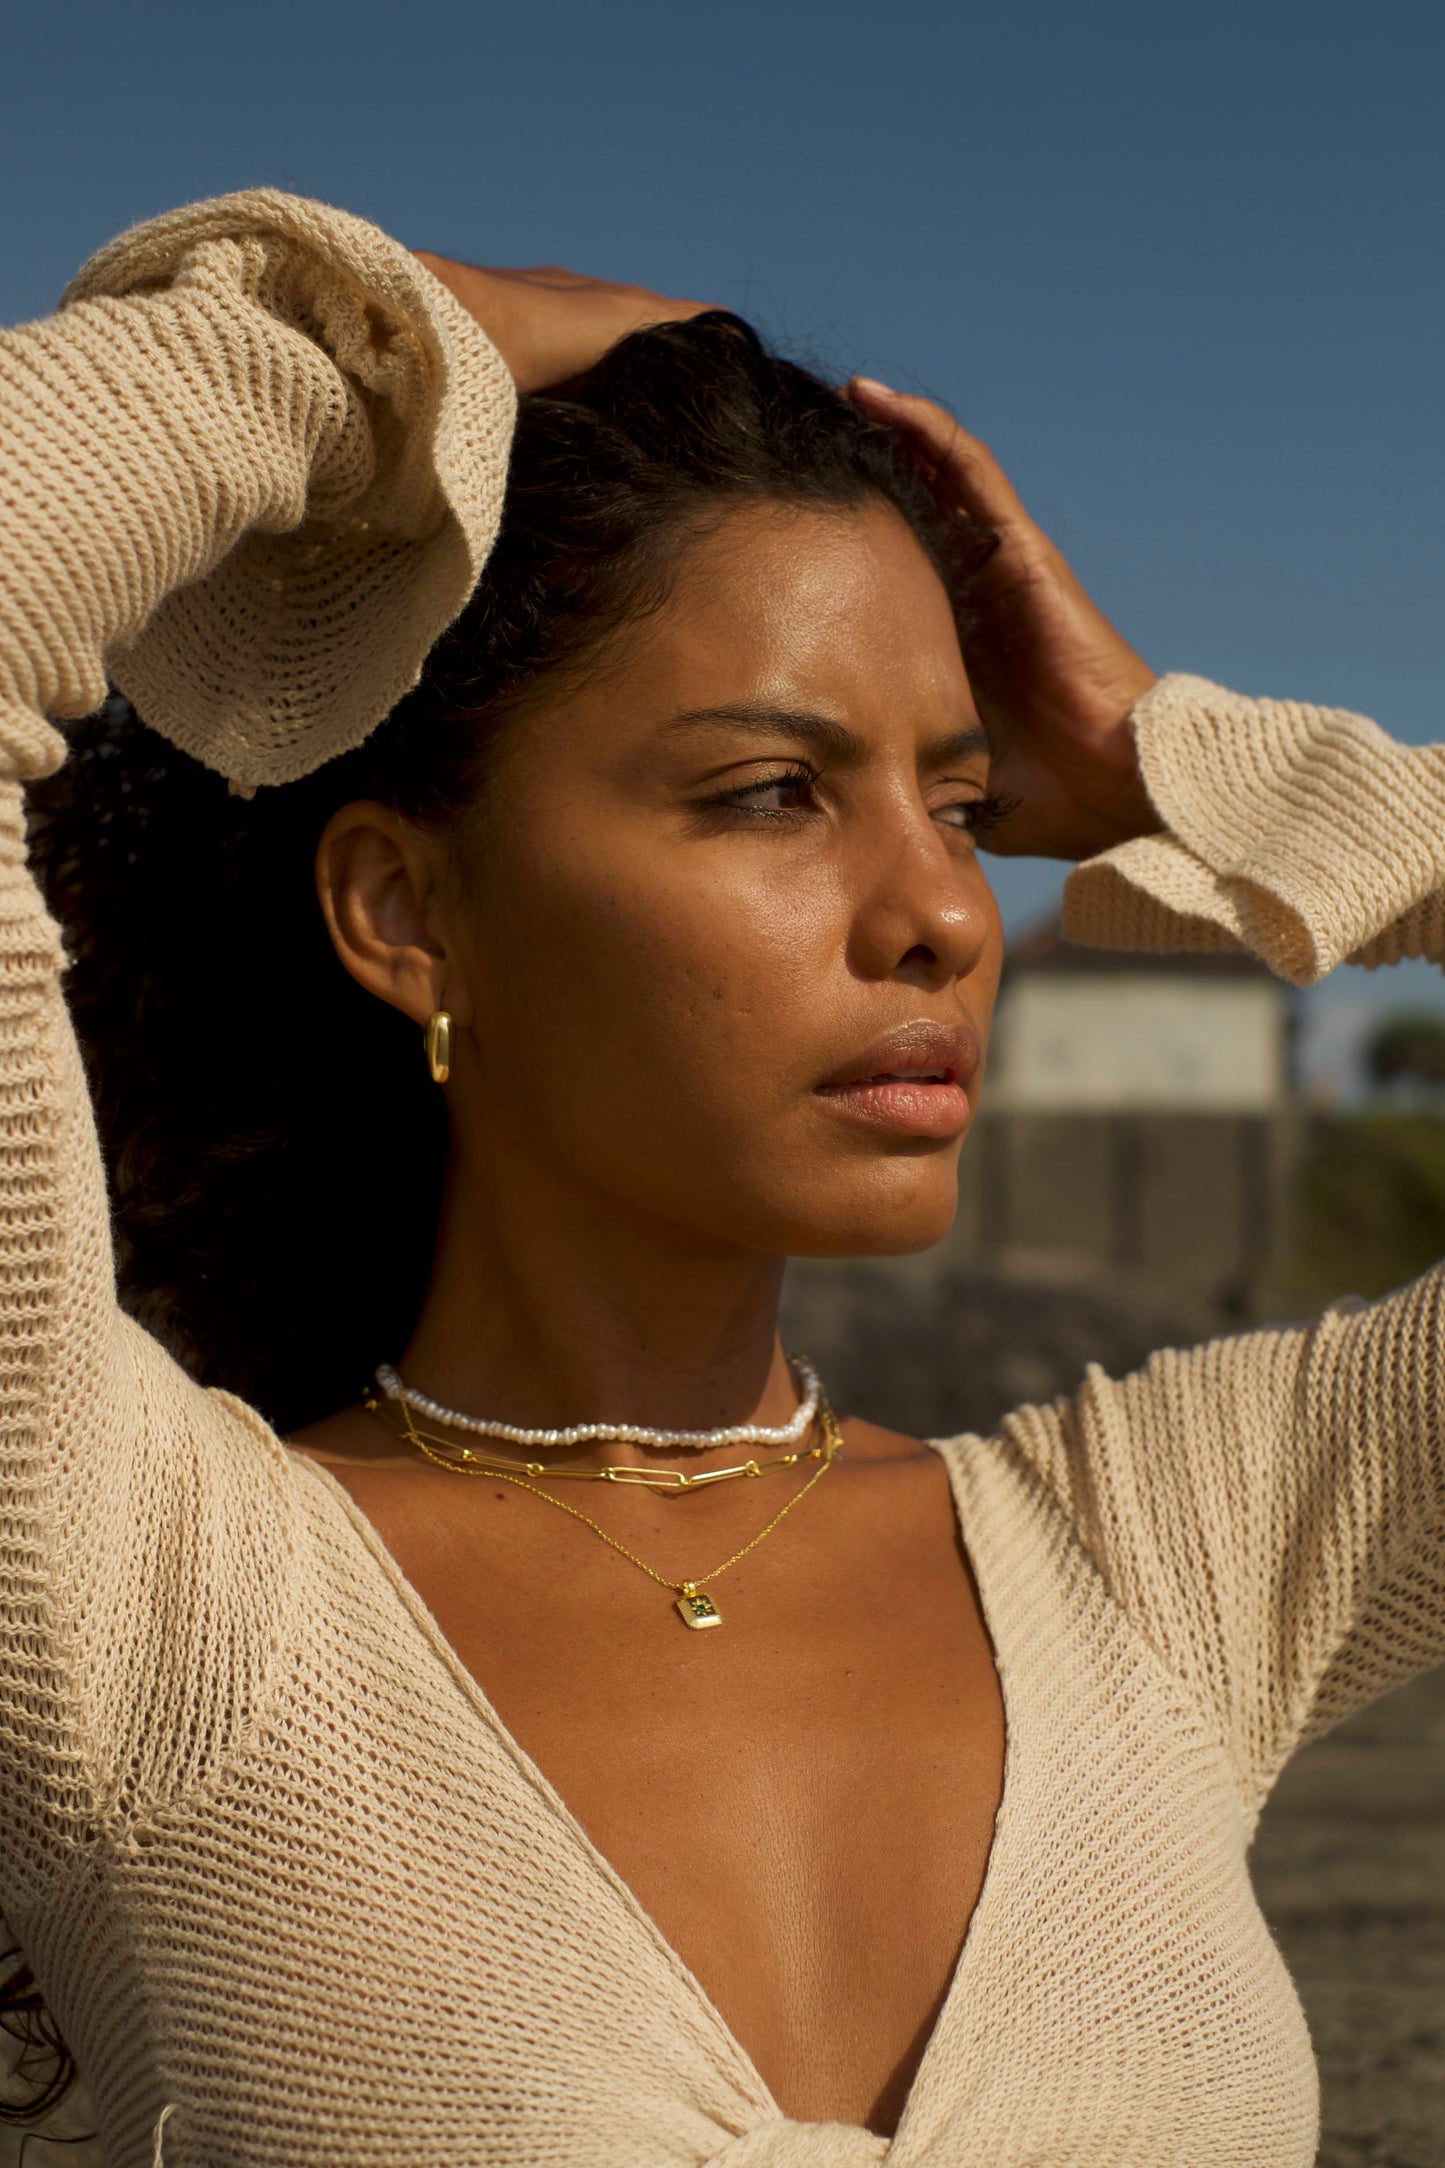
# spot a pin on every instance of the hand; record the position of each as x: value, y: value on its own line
x: 1055, y: 683
x: 549, y: 324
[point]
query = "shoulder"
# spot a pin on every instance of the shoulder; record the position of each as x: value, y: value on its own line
x: 350, y: 1438
x: 871, y: 1443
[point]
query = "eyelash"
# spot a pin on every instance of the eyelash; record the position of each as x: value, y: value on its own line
x: 984, y: 813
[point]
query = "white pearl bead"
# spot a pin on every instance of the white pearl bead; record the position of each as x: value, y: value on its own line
x: 632, y: 1433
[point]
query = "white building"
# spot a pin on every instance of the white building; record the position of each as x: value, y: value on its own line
x: 1084, y: 1030
x: 1135, y: 1119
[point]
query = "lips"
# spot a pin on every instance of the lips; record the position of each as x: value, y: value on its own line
x: 910, y: 1083
x: 921, y: 1052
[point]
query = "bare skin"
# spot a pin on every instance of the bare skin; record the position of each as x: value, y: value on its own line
x: 650, y: 989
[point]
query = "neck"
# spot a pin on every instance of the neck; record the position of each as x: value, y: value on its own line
x: 547, y: 1309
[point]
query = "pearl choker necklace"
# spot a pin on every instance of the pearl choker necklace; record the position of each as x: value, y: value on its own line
x: 789, y: 1433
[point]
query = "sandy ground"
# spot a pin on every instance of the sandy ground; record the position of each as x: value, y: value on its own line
x: 1350, y: 1869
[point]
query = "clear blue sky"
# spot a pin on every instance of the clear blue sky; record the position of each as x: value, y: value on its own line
x: 1183, y: 266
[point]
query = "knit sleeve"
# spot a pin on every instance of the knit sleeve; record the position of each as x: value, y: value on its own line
x: 256, y: 464
x: 250, y: 471
x: 1303, y: 835
x: 1271, y: 1506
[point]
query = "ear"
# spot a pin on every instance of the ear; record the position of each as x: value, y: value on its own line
x: 379, y: 880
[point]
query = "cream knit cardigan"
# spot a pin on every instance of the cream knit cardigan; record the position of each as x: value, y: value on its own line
x: 296, y: 1898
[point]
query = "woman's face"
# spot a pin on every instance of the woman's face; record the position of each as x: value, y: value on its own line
x: 732, y: 871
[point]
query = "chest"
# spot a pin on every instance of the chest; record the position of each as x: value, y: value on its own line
x: 803, y: 1800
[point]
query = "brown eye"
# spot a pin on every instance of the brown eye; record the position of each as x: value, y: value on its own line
x: 989, y: 813
x: 784, y: 792
x: 776, y: 798
x: 976, y: 816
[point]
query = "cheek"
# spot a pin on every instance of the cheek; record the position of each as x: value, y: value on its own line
x: 697, y: 995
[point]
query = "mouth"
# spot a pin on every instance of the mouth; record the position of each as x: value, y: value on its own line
x: 911, y: 1083
x: 896, y: 1076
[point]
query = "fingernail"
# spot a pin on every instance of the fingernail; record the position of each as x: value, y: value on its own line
x: 871, y: 384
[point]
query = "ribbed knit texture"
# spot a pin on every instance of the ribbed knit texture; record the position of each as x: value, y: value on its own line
x: 295, y: 1897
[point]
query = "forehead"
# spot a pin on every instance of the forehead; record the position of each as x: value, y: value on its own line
x: 828, y: 608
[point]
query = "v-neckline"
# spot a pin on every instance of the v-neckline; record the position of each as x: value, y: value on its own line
x: 747, y: 2075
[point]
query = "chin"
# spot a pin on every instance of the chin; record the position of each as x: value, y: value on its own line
x: 877, y: 1224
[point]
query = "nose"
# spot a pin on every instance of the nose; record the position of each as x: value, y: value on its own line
x: 922, y: 910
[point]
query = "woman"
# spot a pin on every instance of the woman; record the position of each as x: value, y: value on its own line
x: 363, y: 1801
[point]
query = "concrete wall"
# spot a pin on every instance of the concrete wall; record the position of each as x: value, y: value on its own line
x: 1197, y: 1201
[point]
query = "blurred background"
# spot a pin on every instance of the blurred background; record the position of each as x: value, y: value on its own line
x: 1182, y: 268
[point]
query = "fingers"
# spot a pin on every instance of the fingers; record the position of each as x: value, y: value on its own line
x: 549, y: 323
x: 962, y: 464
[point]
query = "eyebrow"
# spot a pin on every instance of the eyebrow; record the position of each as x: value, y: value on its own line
x: 824, y: 732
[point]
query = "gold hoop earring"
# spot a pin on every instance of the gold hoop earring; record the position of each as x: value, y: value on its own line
x: 439, y: 1045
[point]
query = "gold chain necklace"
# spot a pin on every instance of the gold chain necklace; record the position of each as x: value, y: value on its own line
x: 467, y: 1460
x: 692, y: 1603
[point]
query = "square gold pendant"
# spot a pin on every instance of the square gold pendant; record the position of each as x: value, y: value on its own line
x: 698, y: 1610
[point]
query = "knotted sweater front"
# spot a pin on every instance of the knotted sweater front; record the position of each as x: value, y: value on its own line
x: 295, y: 1896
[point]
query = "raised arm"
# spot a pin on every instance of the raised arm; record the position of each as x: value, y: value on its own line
x: 250, y: 470
x: 1270, y: 1507
x: 1276, y: 1501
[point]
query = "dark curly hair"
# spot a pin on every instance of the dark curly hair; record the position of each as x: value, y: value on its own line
x: 246, y: 1088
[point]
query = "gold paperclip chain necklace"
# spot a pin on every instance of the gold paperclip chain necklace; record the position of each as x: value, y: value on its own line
x: 692, y: 1603
x: 469, y: 1460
